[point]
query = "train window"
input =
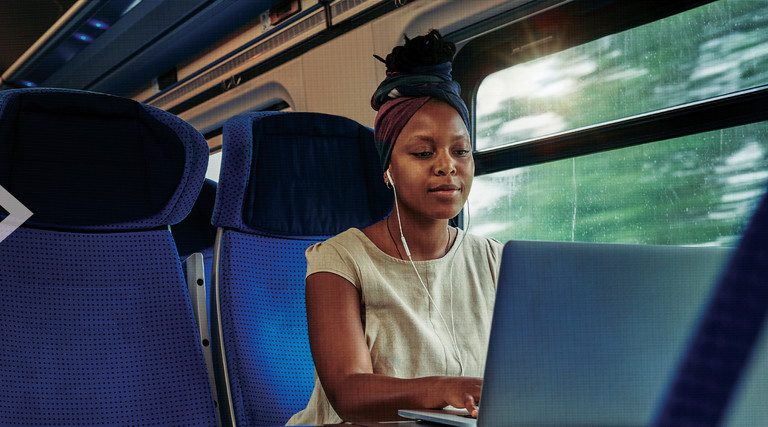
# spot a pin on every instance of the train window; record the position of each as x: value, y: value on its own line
x: 214, y: 139
x: 693, y: 190
x: 711, y: 50
x: 214, y: 166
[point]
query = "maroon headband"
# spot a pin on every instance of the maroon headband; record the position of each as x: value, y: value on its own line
x: 391, y: 120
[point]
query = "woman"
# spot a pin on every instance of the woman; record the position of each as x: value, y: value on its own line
x: 399, y: 312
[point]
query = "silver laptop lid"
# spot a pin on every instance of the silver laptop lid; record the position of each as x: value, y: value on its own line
x: 589, y: 334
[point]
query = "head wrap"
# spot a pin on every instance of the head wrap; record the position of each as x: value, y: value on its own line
x: 401, y: 94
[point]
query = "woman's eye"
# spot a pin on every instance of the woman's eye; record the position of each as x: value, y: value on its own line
x: 422, y: 154
x: 462, y: 152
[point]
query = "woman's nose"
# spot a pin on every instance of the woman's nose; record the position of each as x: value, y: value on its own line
x: 445, y: 165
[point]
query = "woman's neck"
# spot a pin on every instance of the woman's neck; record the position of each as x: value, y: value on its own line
x: 426, y: 238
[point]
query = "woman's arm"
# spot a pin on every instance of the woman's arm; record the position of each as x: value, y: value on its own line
x: 343, y: 361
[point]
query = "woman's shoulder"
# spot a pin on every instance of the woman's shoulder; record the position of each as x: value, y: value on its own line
x: 347, y: 245
x: 484, y: 248
x: 339, y: 240
x: 347, y: 238
x: 490, y: 245
x: 339, y: 255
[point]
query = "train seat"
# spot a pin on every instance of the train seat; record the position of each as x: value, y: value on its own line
x: 194, y: 237
x: 288, y: 180
x: 195, y: 234
x: 97, y: 326
x: 722, y: 375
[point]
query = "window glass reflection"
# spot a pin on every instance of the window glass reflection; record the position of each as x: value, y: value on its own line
x: 712, y: 50
x: 694, y: 190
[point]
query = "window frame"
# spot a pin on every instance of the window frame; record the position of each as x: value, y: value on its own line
x: 539, y: 28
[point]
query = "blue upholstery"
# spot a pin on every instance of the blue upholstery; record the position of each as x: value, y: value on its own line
x: 313, y: 175
x: 726, y: 335
x: 287, y: 181
x: 195, y: 233
x: 97, y: 327
x: 90, y: 161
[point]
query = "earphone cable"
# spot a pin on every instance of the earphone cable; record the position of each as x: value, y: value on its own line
x: 413, y: 264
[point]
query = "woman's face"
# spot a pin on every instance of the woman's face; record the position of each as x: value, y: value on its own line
x: 431, y: 163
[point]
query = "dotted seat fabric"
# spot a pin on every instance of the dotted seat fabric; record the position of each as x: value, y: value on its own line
x: 195, y: 233
x: 725, y: 338
x: 98, y: 330
x: 90, y: 161
x: 299, y: 174
x: 262, y: 292
x: 97, y: 326
x: 288, y: 180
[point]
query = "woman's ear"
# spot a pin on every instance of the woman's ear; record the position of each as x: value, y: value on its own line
x: 388, y: 179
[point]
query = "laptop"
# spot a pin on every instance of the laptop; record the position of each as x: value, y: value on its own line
x: 587, y: 334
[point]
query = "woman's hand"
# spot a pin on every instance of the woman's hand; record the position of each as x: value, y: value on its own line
x: 461, y: 392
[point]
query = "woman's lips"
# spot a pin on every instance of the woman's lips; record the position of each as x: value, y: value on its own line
x: 445, y: 191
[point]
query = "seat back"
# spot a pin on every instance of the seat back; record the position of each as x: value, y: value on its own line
x: 195, y: 233
x: 195, y: 237
x: 97, y: 326
x: 288, y: 180
x: 726, y: 339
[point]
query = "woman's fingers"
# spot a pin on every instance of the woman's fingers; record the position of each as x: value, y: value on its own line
x: 471, y: 404
x: 464, y: 392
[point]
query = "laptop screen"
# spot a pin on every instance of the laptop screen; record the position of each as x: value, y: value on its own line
x: 590, y: 334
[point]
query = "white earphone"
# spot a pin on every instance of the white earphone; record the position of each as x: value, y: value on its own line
x: 408, y: 253
x: 399, y: 224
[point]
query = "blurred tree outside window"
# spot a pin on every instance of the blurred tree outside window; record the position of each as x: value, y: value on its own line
x: 693, y: 190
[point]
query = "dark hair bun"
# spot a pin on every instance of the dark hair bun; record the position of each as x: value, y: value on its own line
x: 430, y: 49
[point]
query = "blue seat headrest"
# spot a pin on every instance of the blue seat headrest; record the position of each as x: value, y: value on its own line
x: 195, y: 233
x: 296, y: 173
x: 84, y: 160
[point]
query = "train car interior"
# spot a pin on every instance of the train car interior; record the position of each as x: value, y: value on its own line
x: 164, y: 165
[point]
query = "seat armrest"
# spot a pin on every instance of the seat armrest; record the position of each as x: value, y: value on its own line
x: 194, y: 272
